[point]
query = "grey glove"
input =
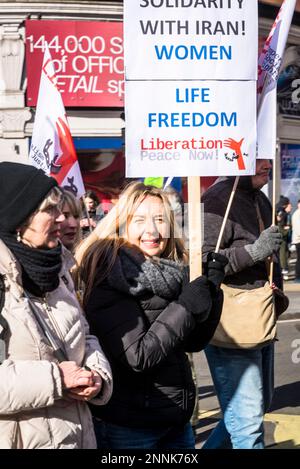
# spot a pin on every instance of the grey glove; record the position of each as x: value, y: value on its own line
x: 268, y: 242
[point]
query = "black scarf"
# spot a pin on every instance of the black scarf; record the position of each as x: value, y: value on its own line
x: 40, y: 267
x: 134, y: 274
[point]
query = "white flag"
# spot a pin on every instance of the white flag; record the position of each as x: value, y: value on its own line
x: 52, y: 147
x: 269, y: 64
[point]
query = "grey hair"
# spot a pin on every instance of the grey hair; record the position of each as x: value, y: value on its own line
x: 54, y: 198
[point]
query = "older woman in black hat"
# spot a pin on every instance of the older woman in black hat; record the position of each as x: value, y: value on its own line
x: 50, y: 365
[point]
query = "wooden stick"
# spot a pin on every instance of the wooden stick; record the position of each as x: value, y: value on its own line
x: 273, y: 215
x: 87, y: 214
x: 274, y: 193
x: 195, y: 226
x: 236, y: 181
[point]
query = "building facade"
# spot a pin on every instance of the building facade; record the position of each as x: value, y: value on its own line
x: 96, y: 128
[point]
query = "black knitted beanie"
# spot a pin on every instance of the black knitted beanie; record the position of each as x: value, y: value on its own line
x: 22, y: 189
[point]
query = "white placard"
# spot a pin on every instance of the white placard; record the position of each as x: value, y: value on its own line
x: 269, y: 65
x: 190, y: 39
x: 190, y: 128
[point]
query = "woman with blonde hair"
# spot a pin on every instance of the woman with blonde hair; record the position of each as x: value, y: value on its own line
x: 141, y: 306
x: 70, y: 226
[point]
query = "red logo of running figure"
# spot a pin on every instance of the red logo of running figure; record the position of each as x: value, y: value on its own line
x: 63, y: 163
x: 237, y: 152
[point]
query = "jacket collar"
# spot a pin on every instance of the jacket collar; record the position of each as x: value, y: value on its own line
x: 245, y: 182
x: 10, y: 267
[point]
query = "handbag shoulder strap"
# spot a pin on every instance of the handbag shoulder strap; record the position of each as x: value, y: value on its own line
x: 3, y: 322
x: 259, y: 217
x: 261, y: 228
x: 58, y: 351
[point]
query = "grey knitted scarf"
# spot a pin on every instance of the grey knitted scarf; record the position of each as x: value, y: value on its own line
x: 134, y: 274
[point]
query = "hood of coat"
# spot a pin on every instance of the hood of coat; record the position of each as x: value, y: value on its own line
x: 8, y: 264
x: 245, y: 182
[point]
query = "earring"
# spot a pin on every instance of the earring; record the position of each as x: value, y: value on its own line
x: 19, y: 236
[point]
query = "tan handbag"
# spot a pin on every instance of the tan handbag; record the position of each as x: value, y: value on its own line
x: 248, y: 318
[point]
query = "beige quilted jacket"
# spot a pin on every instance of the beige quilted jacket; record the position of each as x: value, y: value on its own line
x: 33, y: 411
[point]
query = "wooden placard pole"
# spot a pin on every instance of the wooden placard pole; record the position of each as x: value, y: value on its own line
x: 87, y: 213
x: 271, y: 275
x: 195, y: 226
x: 235, y: 184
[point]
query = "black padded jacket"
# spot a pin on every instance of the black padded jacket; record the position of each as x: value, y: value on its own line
x: 146, y: 339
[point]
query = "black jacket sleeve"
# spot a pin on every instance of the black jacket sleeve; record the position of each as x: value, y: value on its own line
x: 202, y: 334
x: 126, y: 333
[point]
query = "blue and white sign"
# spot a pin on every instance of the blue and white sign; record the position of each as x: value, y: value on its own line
x: 190, y: 128
x: 190, y: 39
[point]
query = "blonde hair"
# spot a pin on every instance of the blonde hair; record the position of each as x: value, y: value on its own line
x: 74, y: 205
x: 96, y: 255
x: 72, y: 202
x: 54, y: 198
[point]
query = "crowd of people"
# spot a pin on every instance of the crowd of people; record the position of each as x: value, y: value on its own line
x: 95, y: 353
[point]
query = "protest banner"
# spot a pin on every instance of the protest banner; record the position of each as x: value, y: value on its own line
x: 269, y: 65
x: 190, y: 39
x: 52, y: 148
x: 182, y: 117
x: 190, y: 128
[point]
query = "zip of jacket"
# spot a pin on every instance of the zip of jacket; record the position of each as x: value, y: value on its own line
x: 3, y: 323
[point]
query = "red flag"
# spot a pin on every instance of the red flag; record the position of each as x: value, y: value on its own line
x: 52, y: 147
